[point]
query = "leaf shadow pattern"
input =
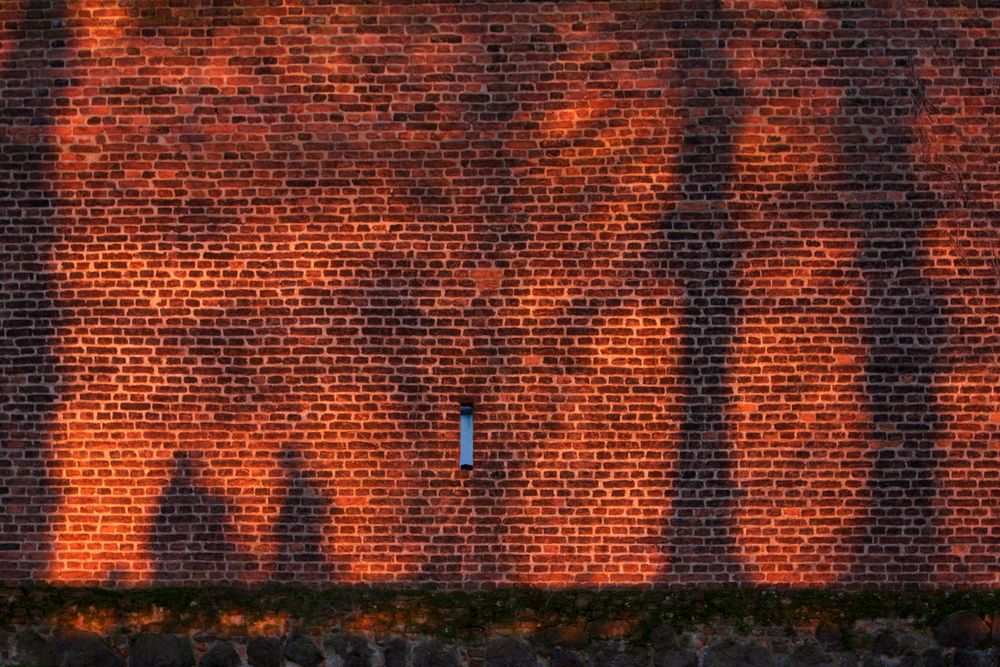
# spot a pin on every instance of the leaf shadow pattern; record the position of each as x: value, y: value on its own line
x: 31, y: 83
x: 543, y: 384
x: 907, y: 323
x: 388, y: 311
x: 424, y: 339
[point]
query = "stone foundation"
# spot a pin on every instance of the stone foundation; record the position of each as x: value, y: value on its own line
x: 963, y: 639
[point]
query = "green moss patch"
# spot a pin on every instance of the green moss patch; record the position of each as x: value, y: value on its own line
x: 549, y: 616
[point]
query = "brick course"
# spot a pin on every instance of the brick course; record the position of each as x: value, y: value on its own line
x: 720, y: 277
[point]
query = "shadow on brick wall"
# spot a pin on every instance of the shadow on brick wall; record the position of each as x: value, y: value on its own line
x: 192, y: 531
x: 31, y: 81
x: 300, y: 529
x: 398, y: 315
x: 905, y: 331
x: 702, y: 246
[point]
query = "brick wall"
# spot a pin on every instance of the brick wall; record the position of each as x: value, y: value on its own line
x: 720, y: 278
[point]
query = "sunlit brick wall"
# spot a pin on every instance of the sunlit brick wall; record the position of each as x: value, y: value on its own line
x: 719, y: 277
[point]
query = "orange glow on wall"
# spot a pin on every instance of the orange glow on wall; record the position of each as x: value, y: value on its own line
x: 719, y: 278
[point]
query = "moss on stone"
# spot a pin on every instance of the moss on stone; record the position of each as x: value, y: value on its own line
x: 633, y: 614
